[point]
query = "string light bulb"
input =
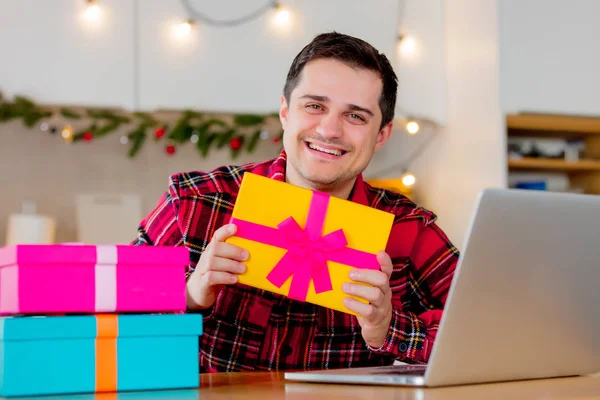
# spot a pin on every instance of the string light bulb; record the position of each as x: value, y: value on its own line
x: 67, y: 133
x: 406, y: 45
x: 412, y: 127
x: 183, y: 29
x: 282, y: 15
x: 408, y: 180
x: 92, y: 12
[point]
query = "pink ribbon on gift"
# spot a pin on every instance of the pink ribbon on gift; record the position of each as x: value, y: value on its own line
x: 308, y: 250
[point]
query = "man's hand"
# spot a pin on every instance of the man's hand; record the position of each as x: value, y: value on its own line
x: 218, y: 265
x: 375, y: 317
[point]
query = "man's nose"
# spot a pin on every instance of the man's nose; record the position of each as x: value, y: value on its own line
x: 330, y: 126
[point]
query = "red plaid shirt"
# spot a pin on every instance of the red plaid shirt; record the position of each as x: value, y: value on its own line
x: 252, y: 329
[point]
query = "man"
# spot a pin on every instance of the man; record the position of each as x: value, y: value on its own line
x: 336, y: 109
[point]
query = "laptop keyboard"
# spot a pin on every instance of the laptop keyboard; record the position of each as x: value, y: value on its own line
x: 401, y: 370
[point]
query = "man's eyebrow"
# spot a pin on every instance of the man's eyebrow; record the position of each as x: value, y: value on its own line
x: 315, y: 97
x: 354, y: 107
x: 324, y: 99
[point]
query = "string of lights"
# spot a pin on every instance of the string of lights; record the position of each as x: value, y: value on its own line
x: 195, y: 15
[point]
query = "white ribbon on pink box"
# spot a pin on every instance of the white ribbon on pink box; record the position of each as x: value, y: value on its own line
x: 106, y: 278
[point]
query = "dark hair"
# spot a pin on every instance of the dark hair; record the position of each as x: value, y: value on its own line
x: 354, y: 52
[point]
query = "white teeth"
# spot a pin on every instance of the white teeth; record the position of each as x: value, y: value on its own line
x: 328, y: 151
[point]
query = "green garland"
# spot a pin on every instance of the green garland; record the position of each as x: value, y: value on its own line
x: 204, y: 131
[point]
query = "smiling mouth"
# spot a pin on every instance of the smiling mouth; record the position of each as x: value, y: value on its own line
x: 333, y: 152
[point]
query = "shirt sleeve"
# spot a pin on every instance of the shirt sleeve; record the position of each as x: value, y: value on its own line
x: 420, y: 285
x: 161, y: 226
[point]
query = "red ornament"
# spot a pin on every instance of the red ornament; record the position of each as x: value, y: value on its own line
x: 235, y: 143
x: 88, y: 136
x: 170, y: 149
x: 159, y: 132
x: 276, y: 139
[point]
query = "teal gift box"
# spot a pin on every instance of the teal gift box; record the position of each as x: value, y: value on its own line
x: 98, y: 353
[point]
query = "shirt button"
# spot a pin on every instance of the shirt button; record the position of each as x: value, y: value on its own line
x: 403, y: 347
x: 286, y: 350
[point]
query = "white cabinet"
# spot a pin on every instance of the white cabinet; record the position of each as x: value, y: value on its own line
x: 242, y: 68
x: 50, y: 54
x: 130, y: 57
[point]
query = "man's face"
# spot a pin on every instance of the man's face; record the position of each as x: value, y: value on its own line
x: 332, y: 123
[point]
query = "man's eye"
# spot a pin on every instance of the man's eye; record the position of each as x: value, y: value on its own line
x: 357, y: 117
x: 314, y: 106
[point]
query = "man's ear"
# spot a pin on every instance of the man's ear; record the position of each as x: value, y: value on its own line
x: 283, y: 112
x: 383, y: 135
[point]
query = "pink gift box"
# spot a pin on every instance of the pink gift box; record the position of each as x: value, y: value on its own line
x: 56, y: 279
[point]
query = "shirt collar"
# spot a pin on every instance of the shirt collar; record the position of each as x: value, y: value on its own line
x: 277, y: 171
x: 277, y: 168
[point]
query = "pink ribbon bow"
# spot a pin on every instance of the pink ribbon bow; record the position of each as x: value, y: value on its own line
x: 308, y: 249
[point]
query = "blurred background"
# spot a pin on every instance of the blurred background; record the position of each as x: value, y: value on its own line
x: 103, y: 100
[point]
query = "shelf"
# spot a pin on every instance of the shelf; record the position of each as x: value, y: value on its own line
x: 552, y: 125
x: 549, y: 164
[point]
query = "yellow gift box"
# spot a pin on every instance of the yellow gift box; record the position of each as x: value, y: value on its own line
x: 303, y: 243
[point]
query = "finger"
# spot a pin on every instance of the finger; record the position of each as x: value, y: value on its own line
x: 214, y: 278
x: 386, y: 263
x: 372, y: 294
x: 226, y: 265
x: 224, y: 232
x: 230, y: 251
x: 369, y: 276
x: 364, y: 310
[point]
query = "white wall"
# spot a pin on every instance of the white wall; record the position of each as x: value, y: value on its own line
x: 550, y: 56
x: 468, y: 154
x: 422, y: 75
x: 422, y: 90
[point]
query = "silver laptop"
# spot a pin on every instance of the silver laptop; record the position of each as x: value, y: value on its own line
x: 524, y: 302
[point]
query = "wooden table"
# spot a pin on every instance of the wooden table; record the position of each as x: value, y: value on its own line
x: 271, y: 386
